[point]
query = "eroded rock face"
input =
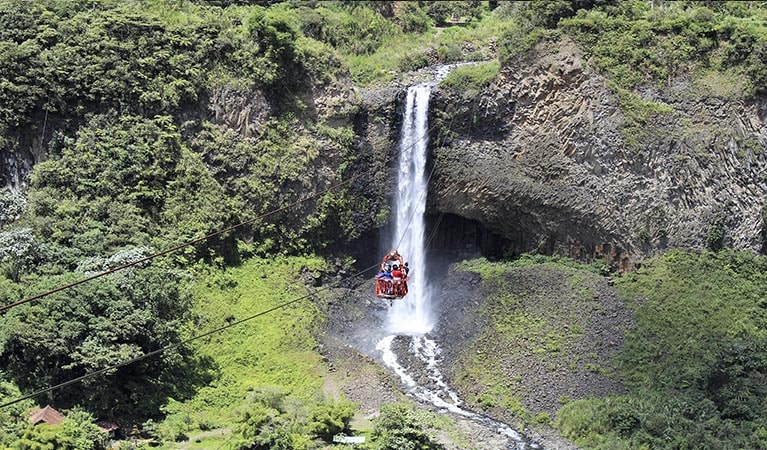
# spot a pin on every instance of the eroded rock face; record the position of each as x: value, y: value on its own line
x: 245, y: 111
x: 546, y: 157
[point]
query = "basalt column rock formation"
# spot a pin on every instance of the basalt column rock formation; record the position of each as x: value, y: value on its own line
x: 553, y: 159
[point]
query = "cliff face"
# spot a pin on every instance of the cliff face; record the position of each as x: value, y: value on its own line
x: 551, y: 158
x: 546, y: 158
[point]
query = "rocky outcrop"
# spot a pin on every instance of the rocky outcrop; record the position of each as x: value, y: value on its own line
x: 242, y: 110
x: 20, y: 150
x: 551, y: 158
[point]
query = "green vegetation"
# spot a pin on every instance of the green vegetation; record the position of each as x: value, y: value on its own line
x: 720, y: 46
x: 413, y: 51
x: 523, y: 321
x: 400, y: 427
x: 92, y: 326
x: 160, y: 121
x: 695, y: 363
x: 106, y: 85
x: 13, y: 419
x: 280, y: 345
x: 139, y: 109
x: 76, y: 432
x: 638, y: 45
x: 472, y: 77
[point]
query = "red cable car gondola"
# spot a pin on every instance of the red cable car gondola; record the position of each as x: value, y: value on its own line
x: 391, y: 282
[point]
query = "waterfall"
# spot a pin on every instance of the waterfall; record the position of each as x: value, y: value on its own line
x: 412, y: 315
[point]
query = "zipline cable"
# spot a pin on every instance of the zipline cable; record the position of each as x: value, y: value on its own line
x: 191, y: 339
x: 180, y: 343
x: 5, y: 308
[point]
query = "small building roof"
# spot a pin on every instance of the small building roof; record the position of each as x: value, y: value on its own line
x: 107, y: 426
x: 47, y: 415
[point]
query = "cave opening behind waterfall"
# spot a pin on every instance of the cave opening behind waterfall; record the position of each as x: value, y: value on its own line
x: 453, y: 238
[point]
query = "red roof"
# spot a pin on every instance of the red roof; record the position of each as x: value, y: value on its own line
x: 47, y: 415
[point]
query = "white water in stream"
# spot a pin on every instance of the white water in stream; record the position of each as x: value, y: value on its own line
x: 413, y: 315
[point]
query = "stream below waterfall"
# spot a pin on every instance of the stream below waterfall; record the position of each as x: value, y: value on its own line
x: 430, y: 387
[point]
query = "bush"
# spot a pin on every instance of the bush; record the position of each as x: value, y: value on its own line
x: 413, y: 61
x: 472, y: 77
x: 12, y: 204
x: 329, y: 419
x: 274, y: 419
x: 518, y: 42
x: 400, y: 427
x: 357, y: 31
x: 414, y: 19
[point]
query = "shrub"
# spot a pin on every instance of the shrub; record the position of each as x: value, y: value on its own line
x: 329, y: 419
x: 413, y: 19
x: 413, y: 61
x: 400, y: 427
x: 472, y: 77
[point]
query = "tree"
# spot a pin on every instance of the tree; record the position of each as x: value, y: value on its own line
x: 44, y: 437
x: 443, y: 11
x: 399, y: 427
x: 13, y: 418
x: 19, y: 251
x: 102, y: 191
x: 330, y: 419
x: 11, y: 205
x: 94, y: 326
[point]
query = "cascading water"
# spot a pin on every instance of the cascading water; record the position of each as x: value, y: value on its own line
x: 412, y: 316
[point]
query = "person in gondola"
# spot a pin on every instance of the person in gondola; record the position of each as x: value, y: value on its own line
x: 383, y: 281
x: 391, y: 258
x: 398, y: 280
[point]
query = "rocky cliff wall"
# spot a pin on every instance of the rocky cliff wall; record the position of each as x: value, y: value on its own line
x: 548, y: 156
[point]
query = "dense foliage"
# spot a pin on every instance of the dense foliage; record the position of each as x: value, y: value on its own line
x: 400, y: 427
x: 695, y: 363
x: 93, y: 326
x: 157, y: 122
x: 639, y: 43
x: 273, y: 420
x: 76, y: 432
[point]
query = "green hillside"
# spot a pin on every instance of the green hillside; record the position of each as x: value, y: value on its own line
x: 219, y: 155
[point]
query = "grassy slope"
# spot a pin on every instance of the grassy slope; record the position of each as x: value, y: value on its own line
x: 275, y: 350
x: 534, y: 314
x: 695, y: 363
